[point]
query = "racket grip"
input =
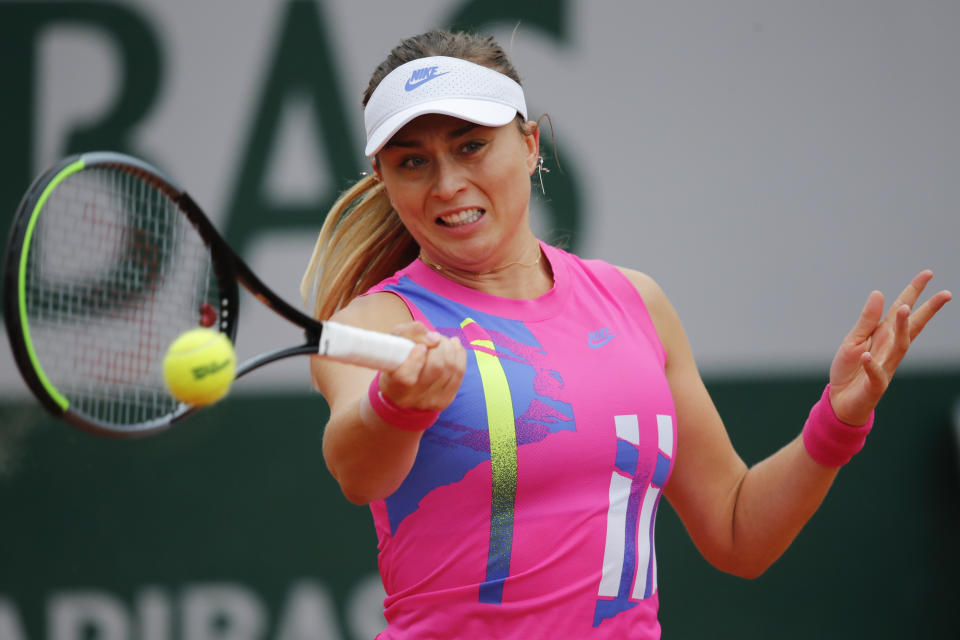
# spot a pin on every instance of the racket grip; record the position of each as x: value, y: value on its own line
x: 371, y: 349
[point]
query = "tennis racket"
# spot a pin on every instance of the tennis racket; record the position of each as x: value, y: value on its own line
x: 108, y: 261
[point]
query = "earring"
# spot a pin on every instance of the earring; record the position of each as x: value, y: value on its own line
x: 540, y: 171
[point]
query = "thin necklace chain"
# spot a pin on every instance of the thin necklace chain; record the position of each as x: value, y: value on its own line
x: 480, y: 274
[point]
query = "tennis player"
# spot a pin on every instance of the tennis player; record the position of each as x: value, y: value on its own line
x: 514, y: 463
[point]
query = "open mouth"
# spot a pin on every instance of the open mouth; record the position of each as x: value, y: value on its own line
x: 461, y: 218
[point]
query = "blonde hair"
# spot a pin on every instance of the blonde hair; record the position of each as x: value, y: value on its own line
x: 362, y: 240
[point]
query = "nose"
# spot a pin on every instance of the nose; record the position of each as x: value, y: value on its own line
x: 449, y: 179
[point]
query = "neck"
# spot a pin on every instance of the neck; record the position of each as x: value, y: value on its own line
x: 527, y: 278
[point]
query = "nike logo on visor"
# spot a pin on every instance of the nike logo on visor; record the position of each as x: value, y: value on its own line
x: 422, y: 76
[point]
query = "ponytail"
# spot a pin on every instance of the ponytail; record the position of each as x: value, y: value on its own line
x: 362, y: 241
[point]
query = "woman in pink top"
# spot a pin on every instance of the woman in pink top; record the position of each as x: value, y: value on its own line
x: 514, y: 462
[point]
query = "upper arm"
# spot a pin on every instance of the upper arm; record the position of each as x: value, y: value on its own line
x: 707, y: 471
x: 340, y: 383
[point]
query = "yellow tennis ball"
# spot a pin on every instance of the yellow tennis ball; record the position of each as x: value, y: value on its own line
x: 199, y: 366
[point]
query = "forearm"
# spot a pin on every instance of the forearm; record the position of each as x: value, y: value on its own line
x: 742, y: 519
x: 775, y: 499
x: 367, y: 457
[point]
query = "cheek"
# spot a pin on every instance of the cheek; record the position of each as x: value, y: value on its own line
x: 409, y: 208
x: 400, y: 199
x: 513, y: 182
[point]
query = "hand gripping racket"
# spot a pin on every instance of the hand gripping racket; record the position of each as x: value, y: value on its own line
x: 108, y: 261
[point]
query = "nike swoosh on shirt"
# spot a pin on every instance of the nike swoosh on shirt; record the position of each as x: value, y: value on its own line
x: 595, y: 343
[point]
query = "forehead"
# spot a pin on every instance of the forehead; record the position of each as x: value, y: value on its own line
x: 433, y: 125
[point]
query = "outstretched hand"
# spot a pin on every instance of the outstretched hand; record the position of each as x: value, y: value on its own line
x: 869, y: 355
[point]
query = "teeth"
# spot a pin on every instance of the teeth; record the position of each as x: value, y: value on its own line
x: 462, y: 217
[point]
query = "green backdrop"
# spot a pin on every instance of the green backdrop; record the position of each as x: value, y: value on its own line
x: 175, y: 532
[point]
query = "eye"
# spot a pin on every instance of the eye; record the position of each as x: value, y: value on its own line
x: 472, y: 146
x: 412, y: 162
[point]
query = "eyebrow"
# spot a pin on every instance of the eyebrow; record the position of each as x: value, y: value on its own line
x: 452, y: 135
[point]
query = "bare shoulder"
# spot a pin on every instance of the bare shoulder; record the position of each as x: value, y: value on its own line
x: 380, y: 311
x: 340, y: 383
x: 653, y: 296
x: 661, y: 311
x: 649, y: 290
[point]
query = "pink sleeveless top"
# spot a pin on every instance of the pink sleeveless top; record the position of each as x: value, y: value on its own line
x: 530, y: 509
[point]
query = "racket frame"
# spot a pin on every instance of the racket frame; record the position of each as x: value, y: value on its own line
x: 230, y: 271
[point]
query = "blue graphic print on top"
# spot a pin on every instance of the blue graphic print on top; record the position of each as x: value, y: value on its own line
x: 459, y: 440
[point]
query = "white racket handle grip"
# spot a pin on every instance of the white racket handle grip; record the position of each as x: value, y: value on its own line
x: 362, y: 347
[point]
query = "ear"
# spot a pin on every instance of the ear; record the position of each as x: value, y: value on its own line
x: 375, y: 165
x: 532, y: 142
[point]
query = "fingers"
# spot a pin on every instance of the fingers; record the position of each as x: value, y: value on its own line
x: 891, y: 337
x: 409, y: 371
x: 911, y: 293
x: 877, y: 377
x: 927, y: 310
x: 418, y: 332
x: 443, y: 371
x: 892, y: 352
x: 870, y: 317
x: 909, y: 296
x: 430, y: 376
x: 868, y: 320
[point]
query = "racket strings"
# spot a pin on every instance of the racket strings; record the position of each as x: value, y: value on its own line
x: 115, y: 273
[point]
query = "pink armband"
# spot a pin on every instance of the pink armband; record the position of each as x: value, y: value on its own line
x: 828, y: 441
x: 406, y: 419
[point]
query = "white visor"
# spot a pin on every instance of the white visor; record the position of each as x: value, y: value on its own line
x: 450, y: 86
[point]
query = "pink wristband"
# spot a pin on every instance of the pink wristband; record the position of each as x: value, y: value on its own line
x: 398, y: 417
x: 828, y: 440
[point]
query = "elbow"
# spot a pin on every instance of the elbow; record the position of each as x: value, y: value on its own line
x: 356, y: 498
x: 359, y: 488
x: 358, y: 485
x: 354, y: 490
x: 740, y: 558
x: 360, y: 494
x: 350, y: 486
x: 368, y: 469
x: 748, y: 568
x: 750, y: 573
